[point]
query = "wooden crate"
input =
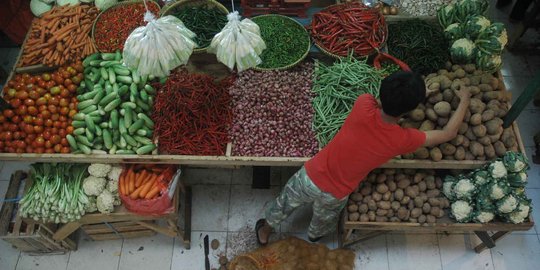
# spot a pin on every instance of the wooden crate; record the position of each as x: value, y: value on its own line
x: 28, y: 235
x: 116, y: 230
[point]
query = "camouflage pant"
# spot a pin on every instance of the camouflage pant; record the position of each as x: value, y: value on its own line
x: 298, y: 191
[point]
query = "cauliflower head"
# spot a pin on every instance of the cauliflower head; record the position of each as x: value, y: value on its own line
x: 497, y: 191
x: 93, y: 186
x: 115, y: 172
x: 484, y: 217
x: 497, y: 169
x: 91, y: 205
x: 99, y: 170
x: 464, y: 189
x: 461, y: 210
x: 112, y: 186
x: 517, y: 179
x: 462, y: 50
x: 515, y: 162
x: 481, y: 177
x: 105, y: 202
x: 507, y: 204
x: 521, y: 213
x: 448, y: 190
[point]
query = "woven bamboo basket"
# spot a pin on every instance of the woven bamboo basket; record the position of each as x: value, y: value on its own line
x: 124, y: 3
x: 327, y: 52
x: 304, y: 55
x: 170, y: 9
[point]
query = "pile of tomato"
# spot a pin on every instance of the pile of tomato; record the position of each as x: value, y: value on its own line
x: 42, y: 109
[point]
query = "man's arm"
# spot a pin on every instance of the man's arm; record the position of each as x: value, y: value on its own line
x: 449, y: 132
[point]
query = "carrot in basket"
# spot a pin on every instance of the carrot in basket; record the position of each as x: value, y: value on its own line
x: 152, y: 193
x: 121, y: 184
x: 140, y: 178
x: 147, y: 186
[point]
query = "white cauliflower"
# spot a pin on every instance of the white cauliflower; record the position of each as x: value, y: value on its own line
x: 112, y: 186
x: 93, y: 186
x: 464, y: 189
x: 484, y: 217
x: 503, y: 38
x: 105, y: 202
x: 497, y: 169
x: 461, y: 210
x: 508, y: 204
x: 481, y: 177
x: 117, y: 200
x: 91, y: 205
x: 520, y: 214
x: 496, y: 192
x: 115, y: 172
x: 99, y: 170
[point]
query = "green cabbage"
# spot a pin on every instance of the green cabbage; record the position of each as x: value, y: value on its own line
x: 475, y: 25
x: 466, y: 8
x: 462, y: 51
x: 446, y: 15
x: 488, y: 63
x: 453, y: 31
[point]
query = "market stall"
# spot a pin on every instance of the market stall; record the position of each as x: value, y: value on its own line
x: 275, y: 100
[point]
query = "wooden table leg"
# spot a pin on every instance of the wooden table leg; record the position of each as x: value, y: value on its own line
x: 187, y: 218
x: 490, y: 240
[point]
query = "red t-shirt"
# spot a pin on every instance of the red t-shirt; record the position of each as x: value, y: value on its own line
x: 363, y: 143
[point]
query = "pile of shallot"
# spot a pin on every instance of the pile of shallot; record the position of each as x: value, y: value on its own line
x: 272, y: 113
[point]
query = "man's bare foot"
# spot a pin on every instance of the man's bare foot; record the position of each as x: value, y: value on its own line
x: 263, y: 231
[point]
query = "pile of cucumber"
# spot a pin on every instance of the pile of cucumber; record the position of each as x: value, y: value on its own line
x: 113, y: 110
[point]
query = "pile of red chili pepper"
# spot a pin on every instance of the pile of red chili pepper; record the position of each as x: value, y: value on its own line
x: 351, y: 27
x: 192, y: 114
x: 115, y: 24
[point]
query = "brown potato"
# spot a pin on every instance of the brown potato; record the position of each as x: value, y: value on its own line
x: 479, y: 131
x: 371, y: 215
x: 382, y: 188
x: 392, y: 186
x: 460, y: 153
x: 416, y: 212
x: 427, y: 125
x: 364, y: 218
x: 488, y: 115
x: 381, y: 212
x: 458, y: 140
x: 395, y: 205
x: 442, y: 108
x: 489, y: 151
x: 433, y: 193
x: 422, y: 185
x: 372, y: 205
x: 434, y: 202
x: 417, y: 115
x: 431, y: 219
x: 398, y: 194
x: 363, y: 208
x: 366, y: 190
x: 476, y: 119
x: 410, y: 192
x: 381, y: 219
x: 376, y: 196
x: 381, y: 178
x: 448, y: 149
x: 352, y: 208
x: 435, y: 154
x: 463, y: 128
x: 430, y: 182
x: 500, y: 149
x: 431, y: 115
x: 403, y: 183
x: 477, y: 149
x: 426, y: 208
x: 387, y: 196
x: 422, y: 219
x: 493, y: 126
x: 476, y: 106
x: 435, y: 211
x: 405, y: 200
x: 418, y: 202
x: 384, y: 205
x: 354, y: 216
x: 485, y: 141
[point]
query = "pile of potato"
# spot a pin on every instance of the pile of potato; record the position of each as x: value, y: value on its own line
x: 398, y: 195
x: 481, y: 135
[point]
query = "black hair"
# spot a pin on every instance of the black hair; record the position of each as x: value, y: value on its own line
x: 401, y: 92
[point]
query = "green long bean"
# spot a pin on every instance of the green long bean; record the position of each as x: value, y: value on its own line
x: 205, y: 22
x: 337, y: 87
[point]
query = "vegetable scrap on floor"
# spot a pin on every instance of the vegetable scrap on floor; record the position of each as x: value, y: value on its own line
x: 272, y: 113
x: 192, y: 114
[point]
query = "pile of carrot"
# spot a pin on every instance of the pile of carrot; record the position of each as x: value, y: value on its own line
x: 143, y: 181
x: 60, y: 36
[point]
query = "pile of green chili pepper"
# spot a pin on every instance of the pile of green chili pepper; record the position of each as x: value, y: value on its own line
x: 337, y: 88
x: 203, y: 21
x: 420, y: 44
x: 286, y: 41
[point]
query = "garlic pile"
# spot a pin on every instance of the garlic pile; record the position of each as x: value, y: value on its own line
x: 420, y: 8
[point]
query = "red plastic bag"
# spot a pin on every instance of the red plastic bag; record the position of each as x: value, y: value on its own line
x: 162, y: 204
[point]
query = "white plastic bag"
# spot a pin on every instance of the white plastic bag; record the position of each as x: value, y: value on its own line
x: 158, y: 47
x: 239, y: 43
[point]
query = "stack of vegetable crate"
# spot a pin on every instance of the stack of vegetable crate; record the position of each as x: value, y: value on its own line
x: 24, y: 234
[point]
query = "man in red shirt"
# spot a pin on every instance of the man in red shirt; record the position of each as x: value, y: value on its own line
x: 369, y: 138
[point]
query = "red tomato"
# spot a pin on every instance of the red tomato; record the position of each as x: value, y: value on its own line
x: 2, y: 118
x: 28, y: 129
x: 57, y: 148
x: 68, y: 82
x: 21, y: 110
x: 54, y: 131
x: 57, y: 124
x: 29, y: 102
x: 42, y: 84
x: 28, y: 119
x: 72, y: 106
x: 65, y: 150
x: 47, y: 135
x: 17, y: 135
x: 46, y: 76
x: 64, y: 102
x: 64, y: 111
x: 8, y: 136
x: 41, y: 101
x: 69, y: 130
x: 62, y: 132
x: 12, y: 92
x: 72, y: 113
x: 45, y: 114
x: 38, y: 121
x: 16, y: 119
x: 49, y: 151
x: 55, y: 116
x: 40, y: 141
x: 55, y: 90
x: 50, y: 84
x: 48, y: 144
x: 8, y: 113
x: 39, y: 150
x: 55, y: 139
x: 20, y: 144
x: 12, y: 127
x: 38, y: 129
x: 32, y: 110
x: 22, y: 95
x: 49, y: 123
x: 67, y: 92
x: 34, y: 94
x: 15, y: 103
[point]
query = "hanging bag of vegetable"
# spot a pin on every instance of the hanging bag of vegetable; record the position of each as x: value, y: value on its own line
x: 158, y: 47
x: 238, y: 44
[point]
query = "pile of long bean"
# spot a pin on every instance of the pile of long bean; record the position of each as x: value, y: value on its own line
x: 192, y: 114
x: 337, y: 88
x: 343, y: 28
x: 286, y: 41
x: 420, y: 44
x: 205, y: 22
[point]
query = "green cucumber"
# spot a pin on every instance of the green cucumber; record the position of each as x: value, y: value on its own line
x: 128, y: 117
x: 125, y: 152
x: 108, y: 87
x: 114, y: 119
x: 107, y: 139
x: 72, y: 142
x: 108, y: 98
x: 90, y: 124
x: 121, y: 71
x: 84, y: 104
x: 142, y: 104
x: 115, y: 87
x: 95, y: 63
x: 89, y: 109
x: 83, y: 140
x: 89, y: 95
x: 112, y: 105
x: 112, y: 76
x: 79, y: 116
x: 110, y: 63
x: 130, y: 105
x: 104, y: 125
x: 99, y: 131
x: 88, y: 59
x: 112, y: 151
x: 104, y: 73
x: 117, y: 55
x: 142, y: 140
x: 136, y: 126
x: 123, y: 143
x: 78, y: 124
x: 97, y: 98
x: 147, y: 121
x: 79, y: 131
x: 85, y: 149
x: 108, y: 56
x: 135, y: 76
x: 121, y: 126
x: 89, y: 135
x: 130, y: 140
x: 123, y: 90
x: 145, y: 149
x: 144, y: 96
x: 149, y: 89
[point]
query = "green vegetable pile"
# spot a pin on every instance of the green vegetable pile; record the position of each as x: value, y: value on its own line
x: 420, y: 44
x: 286, y: 41
x: 337, y: 88
x: 56, y: 194
x: 114, y: 103
x: 496, y: 190
x: 473, y: 38
x: 203, y: 21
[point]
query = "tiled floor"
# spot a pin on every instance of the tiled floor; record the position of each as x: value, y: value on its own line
x: 225, y: 208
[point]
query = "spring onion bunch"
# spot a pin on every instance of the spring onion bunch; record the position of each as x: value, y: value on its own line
x: 56, y: 194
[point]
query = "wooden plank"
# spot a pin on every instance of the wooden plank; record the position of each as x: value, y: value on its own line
x: 8, y: 207
x: 103, y: 228
x: 495, y: 237
x: 154, y: 227
x: 113, y: 236
x: 66, y: 230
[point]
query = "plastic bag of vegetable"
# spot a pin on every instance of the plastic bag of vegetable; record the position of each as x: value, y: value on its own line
x: 238, y: 44
x: 158, y: 47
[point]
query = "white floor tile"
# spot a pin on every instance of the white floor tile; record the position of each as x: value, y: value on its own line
x: 153, y: 253
x: 242, y: 176
x: 516, y: 86
x: 194, y: 258
x: 534, y: 195
x: 371, y: 254
x: 8, y: 256
x: 210, y: 207
x: 534, y: 171
x: 90, y: 255
x: 457, y: 253
x: 10, y: 167
x: 298, y: 221
x: 413, y: 251
x: 205, y: 176
x: 529, y: 125
x: 517, y: 252
x: 514, y: 65
x: 45, y: 262
x: 248, y: 205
